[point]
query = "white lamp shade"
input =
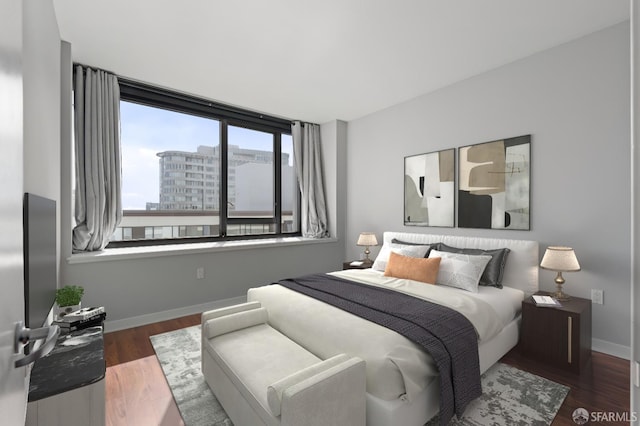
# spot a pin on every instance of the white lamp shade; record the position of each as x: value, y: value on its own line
x: 367, y: 239
x: 562, y: 259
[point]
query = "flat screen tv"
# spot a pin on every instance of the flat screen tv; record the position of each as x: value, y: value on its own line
x: 40, y: 258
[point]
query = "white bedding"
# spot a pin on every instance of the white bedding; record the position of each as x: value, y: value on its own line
x: 396, y: 367
x: 505, y: 302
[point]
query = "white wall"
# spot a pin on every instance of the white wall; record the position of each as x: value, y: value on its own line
x: 139, y: 287
x: 41, y: 100
x: 574, y: 101
x: 334, y: 158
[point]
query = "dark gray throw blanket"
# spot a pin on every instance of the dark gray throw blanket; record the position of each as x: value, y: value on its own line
x: 444, y: 333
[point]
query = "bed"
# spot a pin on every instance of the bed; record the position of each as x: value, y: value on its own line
x: 402, y: 379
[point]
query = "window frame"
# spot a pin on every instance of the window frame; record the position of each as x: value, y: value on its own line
x: 148, y: 95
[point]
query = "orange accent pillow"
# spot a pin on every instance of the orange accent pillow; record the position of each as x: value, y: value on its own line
x: 413, y: 268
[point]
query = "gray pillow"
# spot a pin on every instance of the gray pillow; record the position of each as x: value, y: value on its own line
x: 492, y: 275
x: 433, y: 246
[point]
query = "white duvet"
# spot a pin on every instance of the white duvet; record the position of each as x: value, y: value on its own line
x: 395, y: 365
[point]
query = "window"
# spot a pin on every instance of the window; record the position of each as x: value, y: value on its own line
x: 197, y: 171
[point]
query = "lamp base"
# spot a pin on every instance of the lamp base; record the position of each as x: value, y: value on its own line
x: 366, y: 255
x: 560, y: 296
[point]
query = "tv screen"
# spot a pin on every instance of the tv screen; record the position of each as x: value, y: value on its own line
x: 40, y: 258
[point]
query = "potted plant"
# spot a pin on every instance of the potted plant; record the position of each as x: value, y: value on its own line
x: 68, y: 299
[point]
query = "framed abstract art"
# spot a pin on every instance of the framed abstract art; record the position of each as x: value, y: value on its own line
x: 494, y: 184
x: 429, y: 189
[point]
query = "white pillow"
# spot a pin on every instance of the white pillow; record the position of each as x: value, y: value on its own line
x: 460, y: 270
x: 380, y: 263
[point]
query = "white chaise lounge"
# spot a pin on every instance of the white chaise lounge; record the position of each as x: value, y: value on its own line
x: 261, y: 377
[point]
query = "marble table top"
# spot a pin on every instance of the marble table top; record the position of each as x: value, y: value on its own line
x: 77, y: 360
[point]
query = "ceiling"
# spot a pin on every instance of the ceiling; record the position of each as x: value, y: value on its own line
x: 319, y: 60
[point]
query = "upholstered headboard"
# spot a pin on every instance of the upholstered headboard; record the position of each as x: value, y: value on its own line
x: 521, y: 270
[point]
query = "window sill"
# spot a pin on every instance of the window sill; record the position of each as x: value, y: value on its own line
x: 128, y: 253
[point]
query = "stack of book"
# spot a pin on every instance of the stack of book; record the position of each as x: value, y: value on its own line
x: 83, y: 318
x: 547, y: 301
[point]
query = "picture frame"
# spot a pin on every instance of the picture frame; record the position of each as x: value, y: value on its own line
x: 429, y: 189
x: 494, y: 181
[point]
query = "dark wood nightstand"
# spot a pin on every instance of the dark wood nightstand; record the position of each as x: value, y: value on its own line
x: 561, y: 336
x: 348, y: 265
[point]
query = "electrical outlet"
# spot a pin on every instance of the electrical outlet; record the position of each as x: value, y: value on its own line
x: 597, y: 296
x: 200, y: 273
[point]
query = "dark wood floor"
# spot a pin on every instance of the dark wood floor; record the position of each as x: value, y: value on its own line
x: 604, y: 386
x: 137, y: 393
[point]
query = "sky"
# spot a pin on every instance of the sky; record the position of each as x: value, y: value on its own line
x: 145, y: 131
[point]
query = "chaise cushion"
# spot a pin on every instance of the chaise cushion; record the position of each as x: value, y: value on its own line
x: 236, y: 353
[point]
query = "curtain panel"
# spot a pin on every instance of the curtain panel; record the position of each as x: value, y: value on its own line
x: 98, y: 195
x: 308, y: 162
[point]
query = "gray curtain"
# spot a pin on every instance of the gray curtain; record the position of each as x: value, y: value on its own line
x: 98, y: 204
x: 308, y: 162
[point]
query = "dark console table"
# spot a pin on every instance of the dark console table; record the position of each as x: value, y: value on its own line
x: 67, y: 385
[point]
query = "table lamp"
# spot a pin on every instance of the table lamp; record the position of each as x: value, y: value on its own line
x: 367, y: 239
x: 560, y: 259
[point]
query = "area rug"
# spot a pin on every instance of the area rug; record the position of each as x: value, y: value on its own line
x: 510, y: 396
x: 179, y: 355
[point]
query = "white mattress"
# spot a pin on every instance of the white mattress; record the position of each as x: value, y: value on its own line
x: 396, y: 367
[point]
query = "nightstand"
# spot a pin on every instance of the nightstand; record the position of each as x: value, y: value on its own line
x: 348, y: 265
x: 561, y: 336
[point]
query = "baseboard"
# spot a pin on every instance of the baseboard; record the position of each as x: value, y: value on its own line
x: 170, y: 314
x: 609, y: 348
